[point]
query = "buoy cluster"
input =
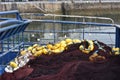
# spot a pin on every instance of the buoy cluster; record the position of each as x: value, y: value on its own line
x: 37, y: 50
x: 116, y: 51
x: 56, y: 48
x: 18, y: 62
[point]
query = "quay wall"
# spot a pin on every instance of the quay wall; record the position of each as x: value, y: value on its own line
x: 36, y: 7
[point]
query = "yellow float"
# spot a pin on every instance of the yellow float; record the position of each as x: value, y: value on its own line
x: 116, y: 51
x: 89, y: 49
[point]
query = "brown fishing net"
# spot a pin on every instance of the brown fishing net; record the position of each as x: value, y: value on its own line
x: 71, y: 64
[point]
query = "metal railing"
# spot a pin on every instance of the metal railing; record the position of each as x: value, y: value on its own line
x: 11, y: 37
x: 81, y: 25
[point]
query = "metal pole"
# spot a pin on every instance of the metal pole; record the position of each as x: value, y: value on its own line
x: 23, y: 40
x: 117, y: 43
x: 2, y: 46
x: 8, y: 43
x: 83, y: 28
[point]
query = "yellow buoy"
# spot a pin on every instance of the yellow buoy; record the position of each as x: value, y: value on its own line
x: 13, y: 64
x: 86, y: 51
x: 49, y: 46
x: 56, y: 51
x: 90, y: 47
x: 23, y: 52
x: 29, y: 48
x: 54, y: 47
x: 76, y: 41
x: 38, y: 53
x: 81, y: 47
x: 45, y: 51
x: 68, y: 40
x: 57, y: 45
x: 34, y: 50
x: 39, y: 48
x: 61, y: 49
x: 35, y: 45
x: 63, y: 42
x: 63, y: 45
x: 116, y: 51
x: 69, y: 43
x: 90, y: 42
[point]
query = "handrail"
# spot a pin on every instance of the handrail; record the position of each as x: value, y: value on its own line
x: 118, y: 26
x: 13, y: 26
x: 12, y: 12
x: 57, y: 31
x: 73, y: 16
x: 13, y: 29
x: 84, y: 18
x: 10, y: 21
x: 11, y: 49
x: 9, y: 12
x: 73, y: 22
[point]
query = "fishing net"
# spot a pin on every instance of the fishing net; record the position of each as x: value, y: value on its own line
x: 72, y: 64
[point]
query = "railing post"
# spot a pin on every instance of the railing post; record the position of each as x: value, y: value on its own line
x: 117, y: 41
x: 18, y: 16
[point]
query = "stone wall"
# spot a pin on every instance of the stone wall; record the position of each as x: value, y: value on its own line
x: 30, y: 7
x: 35, y: 7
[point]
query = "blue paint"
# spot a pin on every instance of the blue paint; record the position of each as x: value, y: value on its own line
x: 117, y: 44
x: 10, y: 27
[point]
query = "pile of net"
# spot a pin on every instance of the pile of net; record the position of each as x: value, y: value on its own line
x: 80, y: 60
